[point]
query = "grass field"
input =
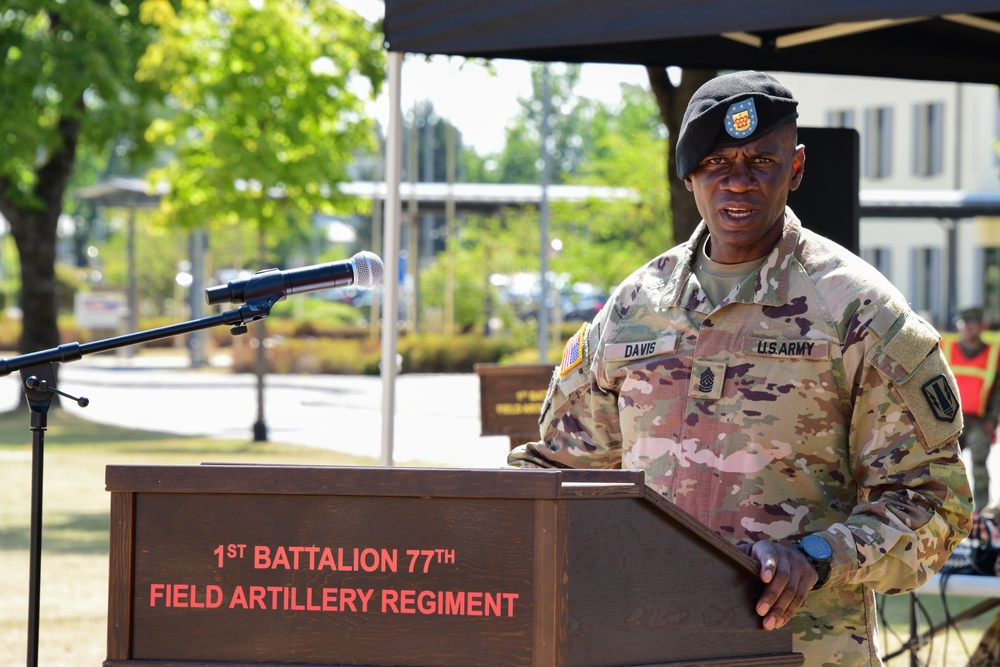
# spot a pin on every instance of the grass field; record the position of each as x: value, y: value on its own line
x: 74, y: 569
x: 74, y: 572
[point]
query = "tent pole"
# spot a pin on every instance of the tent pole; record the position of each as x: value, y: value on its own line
x: 391, y: 241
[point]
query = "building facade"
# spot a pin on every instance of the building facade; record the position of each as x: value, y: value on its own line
x: 919, y: 137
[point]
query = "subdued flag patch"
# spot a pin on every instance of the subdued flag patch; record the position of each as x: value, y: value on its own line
x: 573, y: 353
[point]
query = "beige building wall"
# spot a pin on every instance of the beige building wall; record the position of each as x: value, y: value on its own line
x: 914, y: 252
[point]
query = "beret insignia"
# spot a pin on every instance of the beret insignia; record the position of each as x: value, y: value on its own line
x: 741, y: 119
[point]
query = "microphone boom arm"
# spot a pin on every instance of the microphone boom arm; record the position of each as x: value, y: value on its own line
x: 257, y: 295
x: 237, y: 319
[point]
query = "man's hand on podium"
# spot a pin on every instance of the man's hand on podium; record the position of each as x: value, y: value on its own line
x: 789, y: 577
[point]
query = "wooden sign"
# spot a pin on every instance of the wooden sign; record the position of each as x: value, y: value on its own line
x: 511, y: 398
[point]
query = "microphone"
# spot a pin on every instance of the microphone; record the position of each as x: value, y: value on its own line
x: 364, y: 270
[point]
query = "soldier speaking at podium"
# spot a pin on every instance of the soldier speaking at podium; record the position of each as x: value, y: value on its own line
x: 774, y: 386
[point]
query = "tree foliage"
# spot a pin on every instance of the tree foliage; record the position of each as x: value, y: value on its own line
x: 606, y: 240
x: 672, y: 100
x: 68, y: 85
x: 569, y: 118
x: 619, y: 145
x: 266, y: 106
x: 425, y: 142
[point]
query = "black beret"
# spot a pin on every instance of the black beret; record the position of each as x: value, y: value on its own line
x: 730, y: 110
x: 974, y: 314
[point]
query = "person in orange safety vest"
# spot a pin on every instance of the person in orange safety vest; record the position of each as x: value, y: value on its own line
x: 974, y: 362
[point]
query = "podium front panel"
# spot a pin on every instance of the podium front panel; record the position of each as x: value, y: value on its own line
x: 333, y: 580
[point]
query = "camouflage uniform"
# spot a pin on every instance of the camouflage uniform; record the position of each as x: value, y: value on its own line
x: 811, y: 400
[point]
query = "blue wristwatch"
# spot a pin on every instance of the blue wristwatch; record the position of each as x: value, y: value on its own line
x: 819, y: 552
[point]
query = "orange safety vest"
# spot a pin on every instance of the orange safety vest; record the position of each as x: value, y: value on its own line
x: 974, y: 376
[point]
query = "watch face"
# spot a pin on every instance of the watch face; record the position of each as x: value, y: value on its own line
x: 816, y: 547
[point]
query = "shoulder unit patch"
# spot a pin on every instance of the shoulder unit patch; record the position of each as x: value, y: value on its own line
x: 944, y: 404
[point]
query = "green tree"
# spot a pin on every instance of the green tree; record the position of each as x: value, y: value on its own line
x: 431, y: 134
x: 672, y: 99
x: 605, y: 240
x: 157, y: 249
x: 267, y: 106
x: 602, y: 240
x: 619, y: 145
x: 68, y: 86
x: 569, y: 116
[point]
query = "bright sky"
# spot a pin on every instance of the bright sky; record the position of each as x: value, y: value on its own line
x: 478, y: 103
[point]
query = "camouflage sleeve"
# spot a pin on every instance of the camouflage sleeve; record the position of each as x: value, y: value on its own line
x: 915, y: 501
x: 578, y: 424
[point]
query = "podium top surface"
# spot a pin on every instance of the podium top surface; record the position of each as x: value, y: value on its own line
x: 375, y: 481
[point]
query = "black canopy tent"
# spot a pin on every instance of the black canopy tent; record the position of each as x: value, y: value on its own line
x: 942, y: 40
x: 946, y: 40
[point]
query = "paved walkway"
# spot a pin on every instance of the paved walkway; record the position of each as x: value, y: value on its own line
x: 437, y: 416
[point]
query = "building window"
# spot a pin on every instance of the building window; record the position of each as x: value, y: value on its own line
x: 840, y: 118
x: 996, y: 133
x: 878, y: 142
x: 991, y: 284
x: 879, y: 257
x: 928, y: 139
x: 928, y: 284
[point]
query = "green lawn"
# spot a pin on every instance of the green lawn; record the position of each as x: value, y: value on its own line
x: 74, y: 575
x: 74, y: 571
x: 951, y: 648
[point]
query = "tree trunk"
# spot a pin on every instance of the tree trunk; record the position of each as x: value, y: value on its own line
x: 34, y: 230
x: 34, y: 233
x: 672, y: 101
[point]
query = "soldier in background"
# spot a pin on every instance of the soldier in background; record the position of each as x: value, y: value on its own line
x: 774, y: 386
x: 974, y: 363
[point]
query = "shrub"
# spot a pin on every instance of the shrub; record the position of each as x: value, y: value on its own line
x: 10, y: 333
x: 310, y: 356
x: 421, y: 354
x: 450, y: 354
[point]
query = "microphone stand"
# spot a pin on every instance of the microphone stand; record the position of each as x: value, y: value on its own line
x: 37, y: 379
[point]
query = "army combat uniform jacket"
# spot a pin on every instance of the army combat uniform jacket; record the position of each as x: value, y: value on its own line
x: 811, y: 400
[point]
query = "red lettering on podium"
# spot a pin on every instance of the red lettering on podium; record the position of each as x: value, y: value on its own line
x: 305, y: 558
x: 185, y: 596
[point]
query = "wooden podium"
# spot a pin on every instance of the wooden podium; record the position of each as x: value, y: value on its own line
x: 268, y: 565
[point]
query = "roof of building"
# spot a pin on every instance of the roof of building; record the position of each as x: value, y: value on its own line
x: 489, y: 197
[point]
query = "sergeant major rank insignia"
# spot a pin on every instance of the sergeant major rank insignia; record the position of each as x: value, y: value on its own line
x: 941, y: 398
x: 741, y: 119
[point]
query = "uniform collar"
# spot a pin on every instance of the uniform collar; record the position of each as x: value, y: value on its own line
x: 768, y: 288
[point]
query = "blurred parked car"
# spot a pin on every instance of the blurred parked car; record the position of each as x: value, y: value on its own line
x: 578, y: 302
x: 584, y: 308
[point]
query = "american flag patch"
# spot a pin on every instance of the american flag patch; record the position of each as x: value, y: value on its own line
x: 574, y: 352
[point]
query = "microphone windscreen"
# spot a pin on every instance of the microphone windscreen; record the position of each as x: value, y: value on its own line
x: 368, y: 269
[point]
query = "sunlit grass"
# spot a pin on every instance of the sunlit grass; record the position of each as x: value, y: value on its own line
x: 74, y: 570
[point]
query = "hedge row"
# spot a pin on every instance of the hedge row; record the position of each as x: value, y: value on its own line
x: 419, y: 354
x: 326, y: 345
